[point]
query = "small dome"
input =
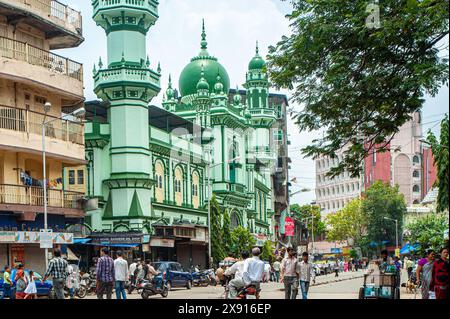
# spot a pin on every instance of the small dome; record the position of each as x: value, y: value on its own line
x: 218, y: 87
x: 257, y: 63
x: 202, y: 85
x: 237, y: 98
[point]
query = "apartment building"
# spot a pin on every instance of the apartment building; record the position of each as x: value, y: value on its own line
x: 31, y: 75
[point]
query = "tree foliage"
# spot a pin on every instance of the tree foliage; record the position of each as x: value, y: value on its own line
x: 380, y: 201
x: 428, y: 231
x: 242, y: 240
x: 226, y: 237
x: 268, y: 251
x: 348, y: 223
x: 358, y: 83
x: 440, y: 152
x: 217, y: 250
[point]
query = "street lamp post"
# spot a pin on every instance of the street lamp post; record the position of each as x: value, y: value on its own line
x: 396, y: 230
x: 47, y: 106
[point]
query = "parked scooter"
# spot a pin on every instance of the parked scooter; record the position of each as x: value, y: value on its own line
x: 157, y: 286
x: 212, y: 277
x: 200, y: 278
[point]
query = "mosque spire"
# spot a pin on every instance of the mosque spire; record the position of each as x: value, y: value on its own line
x: 204, y: 43
x: 257, y: 47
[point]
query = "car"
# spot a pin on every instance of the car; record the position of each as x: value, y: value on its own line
x: 43, y: 288
x: 174, y: 274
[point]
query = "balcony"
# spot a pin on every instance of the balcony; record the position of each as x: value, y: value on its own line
x: 107, y: 78
x: 19, y: 198
x: 22, y: 129
x: 147, y: 5
x: 31, y: 64
x: 62, y: 24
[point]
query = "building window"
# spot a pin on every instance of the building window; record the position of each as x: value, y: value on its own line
x: 160, y: 185
x: 80, y: 177
x: 416, y: 159
x: 71, y: 177
x: 416, y: 174
x: 278, y: 136
x: 416, y: 189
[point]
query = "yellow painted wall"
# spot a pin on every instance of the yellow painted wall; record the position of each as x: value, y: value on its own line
x: 79, y: 185
x: 159, y: 191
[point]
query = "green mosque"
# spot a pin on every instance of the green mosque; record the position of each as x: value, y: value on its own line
x: 149, y: 166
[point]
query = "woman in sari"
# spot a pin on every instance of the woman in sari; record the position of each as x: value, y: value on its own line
x: 423, y: 273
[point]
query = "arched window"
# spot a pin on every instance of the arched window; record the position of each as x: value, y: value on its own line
x: 416, y: 174
x: 178, y: 186
x: 416, y: 159
x: 195, y: 190
x: 353, y: 187
x: 234, y: 220
x: 416, y: 189
x: 160, y: 182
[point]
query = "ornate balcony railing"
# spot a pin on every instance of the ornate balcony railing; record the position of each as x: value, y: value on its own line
x: 34, y: 196
x: 22, y: 120
x: 55, y: 11
x: 12, y: 49
x: 152, y: 4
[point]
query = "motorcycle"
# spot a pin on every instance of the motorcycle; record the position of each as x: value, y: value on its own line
x: 89, y: 283
x: 200, y: 278
x: 249, y: 292
x: 157, y: 286
x: 212, y: 277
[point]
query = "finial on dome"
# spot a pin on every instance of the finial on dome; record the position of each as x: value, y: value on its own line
x: 257, y: 47
x: 147, y: 62
x: 159, y: 68
x: 204, y: 43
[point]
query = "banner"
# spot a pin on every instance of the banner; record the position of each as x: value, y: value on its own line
x: 21, y: 237
x: 289, y: 226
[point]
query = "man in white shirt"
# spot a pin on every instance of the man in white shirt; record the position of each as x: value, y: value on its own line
x: 306, y: 274
x: 131, y: 272
x: 237, y: 269
x: 253, y: 269
x: 120, y: 275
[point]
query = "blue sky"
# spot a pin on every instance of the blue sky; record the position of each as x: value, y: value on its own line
x: 233, y: 27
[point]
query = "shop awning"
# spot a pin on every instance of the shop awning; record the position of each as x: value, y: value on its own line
x: 409, y: 248
x: 81, y: 240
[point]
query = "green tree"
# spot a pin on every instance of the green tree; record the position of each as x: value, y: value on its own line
x: 428, y: 231
x: 359, y: 82
x: 242, y: 239
x: 307, y: 211
x: 217, y: 251
x: 268, y: 251
x: 380, y: 201
x: 226, y: 237
x: 440, y: 152
x: 348, y: 223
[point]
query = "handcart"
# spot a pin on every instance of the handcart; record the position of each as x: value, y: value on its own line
x: 380, y: 286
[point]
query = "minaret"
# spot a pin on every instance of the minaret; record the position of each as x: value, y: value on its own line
x: 262, y: 116
x: 202, y: 101
x: 257, y: 83
x: 128, y: 84
x: 170, y: 102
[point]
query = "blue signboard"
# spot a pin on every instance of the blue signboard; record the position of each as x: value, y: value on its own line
x: 336, y: 250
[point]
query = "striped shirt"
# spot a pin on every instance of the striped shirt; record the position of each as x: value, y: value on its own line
x: 105, y: 269
x: 57, y: 268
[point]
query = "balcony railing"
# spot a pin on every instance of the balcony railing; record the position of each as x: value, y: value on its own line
x: 12, y: 49
x: 55, y: 11
x: 34, y: 196
x: 22, y: 120
x: 152, y: 4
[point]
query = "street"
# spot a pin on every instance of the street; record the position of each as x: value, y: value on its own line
x: 326, y: 288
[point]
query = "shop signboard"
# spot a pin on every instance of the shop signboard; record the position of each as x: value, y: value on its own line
x: 7, y: 237
x: 46, y: 238
x: 117, y: 239
x: 162, y: 242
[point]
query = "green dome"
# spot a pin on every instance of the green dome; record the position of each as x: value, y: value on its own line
x: 257, y: 63
x: 191, y: 75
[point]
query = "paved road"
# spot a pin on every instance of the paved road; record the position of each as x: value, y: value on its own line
x: 347, y: 289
